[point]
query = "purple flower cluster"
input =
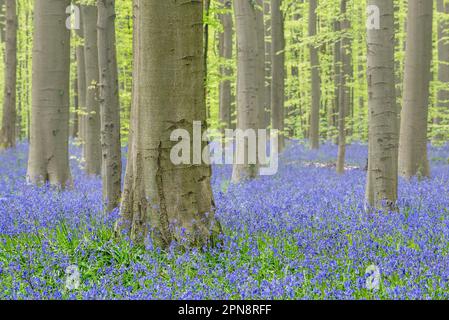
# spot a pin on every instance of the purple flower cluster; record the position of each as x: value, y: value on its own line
x: 302, y: 234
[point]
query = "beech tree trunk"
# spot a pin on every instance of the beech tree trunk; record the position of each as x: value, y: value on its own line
x: 383, y: 114
x: 109, y: 105
x: 418, y: 55
x: 167, y: 201
x: 225, y: 47
x: 260, y: 25
x: 248, y: 81
x: 50, y: 111
x: 92, y: 142
x: 8, y: 129
x: 443, y: 65
x: 268, y: 71
x: 344, y: 90
x: 337, y: 84
x: 81, y: 85
x: 315, y: 70
x: 278, y: 70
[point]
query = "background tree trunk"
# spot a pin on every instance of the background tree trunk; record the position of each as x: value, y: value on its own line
x: 268, y: 73
x: 443, y: 65
x: 50, y: 110
x: 337, y: 78
x: 92, y: 119
x: 168, y: 72
x: 225, y: 46
x: 418, y: 55
x: 248, y: 84
x: 344, y: 90
x: 315, y: 71
x: 81, y: 85
x: 260, y: 24
x: 109, y: 105
x: 383, y: 129
x: 8, y: 130
x: 278, y: 70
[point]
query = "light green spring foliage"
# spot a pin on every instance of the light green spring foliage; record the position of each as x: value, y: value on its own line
x: 298, y: 73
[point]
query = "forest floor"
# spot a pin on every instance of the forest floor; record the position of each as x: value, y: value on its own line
x: 302, y: 234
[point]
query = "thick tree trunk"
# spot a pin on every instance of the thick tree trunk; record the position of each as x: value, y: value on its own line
x: 278, y: 70
x: 170, y: 202
x: 50, y: 110
x: 92, y: 119
x: 109, y: 105
x: 383, y: 127
x: 344, y: 90
x: 315, y: 70
x: 8, y: 130
x: 413, y: 138
x: 226, y: 71
x: 248, y: 84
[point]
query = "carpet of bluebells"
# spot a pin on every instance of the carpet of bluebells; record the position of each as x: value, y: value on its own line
x: 302, y: 234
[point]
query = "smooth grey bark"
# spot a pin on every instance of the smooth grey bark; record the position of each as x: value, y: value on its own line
x: 260, y: 25
x: 225, y: 48
x: 248, y: 84
x: 278, y: 70
x: 443, y: 64
x: 109, y: 105
x: 2, y: 21
x: 92, y: 143
x: 50, y: 110
x: 314, y: 133
x: 81, y: 85
x: 382, y: 176
x: 268, y: 71
x: 8, y: 129
x: 166, y: 201
x: 337, y: 77
x: 74, y: 123
x: 414, y: 116
x: 344, y: 89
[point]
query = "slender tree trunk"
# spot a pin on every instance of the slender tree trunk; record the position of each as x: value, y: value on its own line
x: 92, y: 118
x: 206, y: 53
x: 268, y: 71
x: 8, y: 130
x: 418, y: 55
x: 443, y: 65
x: 75, y: 125
x: 248, y: 84
x: 226, y: 71
x: 81, y: 86
x: 344, y: 90
x: 383, y: 129
x: 50, y: 111
x: 337, y: 78
x: 260, y: 25
x: 278, y: 70
x: 175, y: 200
x: 109, y: 105
x: 2, y: 21
x: 315, y: 70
